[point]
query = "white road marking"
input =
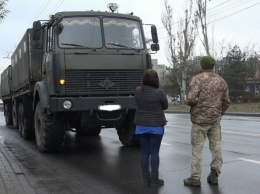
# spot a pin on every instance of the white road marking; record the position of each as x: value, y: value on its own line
x: 223, y: 131
x: 166, y: 144
x: 242, y: 133
x: 179, y: 126
x: 249, y: 160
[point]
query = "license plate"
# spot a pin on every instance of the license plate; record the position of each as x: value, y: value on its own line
x: 109, y: 107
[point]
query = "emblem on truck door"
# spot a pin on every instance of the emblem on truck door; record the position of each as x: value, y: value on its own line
x: 106, y: 83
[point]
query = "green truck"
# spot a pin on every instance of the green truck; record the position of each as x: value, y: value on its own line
x: 76, y: 71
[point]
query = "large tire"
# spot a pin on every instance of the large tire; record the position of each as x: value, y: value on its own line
x: 25, y: 124
x: 8, y: 112
x: 49, y: 131
x: 88, y: 131
x: 126, y: 131
x: 15, y: 114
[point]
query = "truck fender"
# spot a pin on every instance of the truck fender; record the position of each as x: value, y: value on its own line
x: 41, y: 93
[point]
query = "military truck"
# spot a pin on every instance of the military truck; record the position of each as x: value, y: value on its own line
x: 6, y: 94
x: 76, y: 71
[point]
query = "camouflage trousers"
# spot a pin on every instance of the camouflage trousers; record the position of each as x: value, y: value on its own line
x: 199, y: 134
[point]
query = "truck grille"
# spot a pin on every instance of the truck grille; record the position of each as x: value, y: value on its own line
x: 98, y: 82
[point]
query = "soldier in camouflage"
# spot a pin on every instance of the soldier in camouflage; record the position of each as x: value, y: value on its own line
x: 208, y: 98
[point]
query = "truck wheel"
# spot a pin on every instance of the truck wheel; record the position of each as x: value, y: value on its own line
x: 25, y: 124
x: 8, y: 113
x: 49, y: 131
x: 126, y: 132
x: 87, y: 131
x: 15, y: 115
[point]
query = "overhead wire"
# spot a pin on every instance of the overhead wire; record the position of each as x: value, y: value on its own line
x: 219, y: 5
x: 207, y: 10
x: 174, y: 23
x: 225, y: 16
x: 43, y: 8
x: 57, y: 6
x: 235, y: 12
x: 39, y: 12
x: 223, y: 8
x: 209, y: 14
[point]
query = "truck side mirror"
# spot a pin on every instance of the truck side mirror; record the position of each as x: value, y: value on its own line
x: 154, y: 34
x: 36, y: 30
x: 155, y: 47
x: 60, y: 28
x: 36, y: 35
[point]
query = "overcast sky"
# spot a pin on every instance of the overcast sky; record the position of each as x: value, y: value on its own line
x: 235, y: 21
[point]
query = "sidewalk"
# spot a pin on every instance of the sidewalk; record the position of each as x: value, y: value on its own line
x: 12, y: 179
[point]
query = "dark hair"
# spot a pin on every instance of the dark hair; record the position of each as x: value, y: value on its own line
x: 150, y: 78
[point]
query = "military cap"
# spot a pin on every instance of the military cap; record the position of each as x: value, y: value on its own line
x: 207, y: 62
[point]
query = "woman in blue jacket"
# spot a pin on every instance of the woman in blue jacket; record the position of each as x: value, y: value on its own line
x: 150, y: 121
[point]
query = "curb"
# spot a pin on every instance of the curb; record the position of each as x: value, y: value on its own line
x: 17, y: 171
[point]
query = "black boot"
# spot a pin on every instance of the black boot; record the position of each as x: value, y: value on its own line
x: 146, y: 178
x: 155, y: 181
x: 213, y: 177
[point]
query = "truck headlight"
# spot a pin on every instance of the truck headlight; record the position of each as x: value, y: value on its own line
x: 67, y: 104
x: 62, y: 81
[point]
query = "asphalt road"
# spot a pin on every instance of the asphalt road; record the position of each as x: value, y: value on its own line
x: 102, y: 165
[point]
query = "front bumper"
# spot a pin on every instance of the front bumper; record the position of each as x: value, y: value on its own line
x: 90, y: 103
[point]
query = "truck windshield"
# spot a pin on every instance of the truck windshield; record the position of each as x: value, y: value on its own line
x: 122, y: 33
x: 85, y: 32
x: 81, y: 32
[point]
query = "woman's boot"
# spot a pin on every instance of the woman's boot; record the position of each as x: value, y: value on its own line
x: 146, y: 178
x: 155, y: 181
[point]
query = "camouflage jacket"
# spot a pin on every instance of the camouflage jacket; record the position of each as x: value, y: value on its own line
x: 208, y: 98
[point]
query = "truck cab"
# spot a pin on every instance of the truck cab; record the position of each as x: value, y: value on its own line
x: 80, y: 72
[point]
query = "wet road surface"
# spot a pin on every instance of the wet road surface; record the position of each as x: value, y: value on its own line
x: 102, y: 165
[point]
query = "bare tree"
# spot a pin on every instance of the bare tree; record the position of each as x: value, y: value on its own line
x: 3, y: 11
x: 220, y: 54
x: 180, y: 44
x: 201, y: 14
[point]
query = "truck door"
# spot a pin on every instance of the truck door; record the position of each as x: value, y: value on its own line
x: 48, y: 52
